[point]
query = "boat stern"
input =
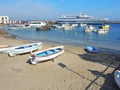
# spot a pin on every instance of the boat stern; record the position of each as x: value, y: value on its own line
x: 32, y: 59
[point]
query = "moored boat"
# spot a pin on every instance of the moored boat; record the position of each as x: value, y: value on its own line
x: 46, y: 54
x: 106, y: 27
x: 103, y: 29
x: 24, y: 48
x: 89, y: 28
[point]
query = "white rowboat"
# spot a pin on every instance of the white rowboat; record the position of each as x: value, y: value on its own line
x: 6, y: 49
x: 25, y: 48
x: 47, y: 54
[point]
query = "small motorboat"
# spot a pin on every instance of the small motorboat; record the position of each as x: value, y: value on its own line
x: 117, y: 77
x: 24, y: 48
x: 106, y: 27
x: 47, y: 54
x: 89, y: 28
x: 92, y: 49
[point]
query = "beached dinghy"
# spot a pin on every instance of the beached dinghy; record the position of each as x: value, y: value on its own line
x: 92, y: 49
x: 25, y: 48
x: 6, y: 49
x: 47, y: 54
x: 117, y: 77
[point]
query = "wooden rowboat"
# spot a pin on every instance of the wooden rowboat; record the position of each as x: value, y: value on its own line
x: 47, y: 54
x: 25, y: 48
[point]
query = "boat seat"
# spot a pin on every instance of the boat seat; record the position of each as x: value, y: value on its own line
x: 20, y: 47
x: 56, y: 50
x: 30, y: 46
x: 50, y: 52
x: 42, y: 54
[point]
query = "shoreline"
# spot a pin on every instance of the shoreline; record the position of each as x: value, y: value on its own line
x: 107, y: 46
x: 74, y: 70
x: 107, y: 50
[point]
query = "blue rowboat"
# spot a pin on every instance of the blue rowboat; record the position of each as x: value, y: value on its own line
x: 46, y: 54
x: 25, y: 48
x: 92, y: 49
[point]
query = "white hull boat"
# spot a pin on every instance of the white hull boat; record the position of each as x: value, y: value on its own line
x: 6, y: 49
x: 25, y: 48
x: 89, y: 28
x: 117, y: 77
x: 47, y: 54
x: 102, y: 31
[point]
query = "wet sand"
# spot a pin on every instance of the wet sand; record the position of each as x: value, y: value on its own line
x: 76, y: 69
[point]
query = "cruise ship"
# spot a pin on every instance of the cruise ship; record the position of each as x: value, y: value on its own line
x: 81, y: 19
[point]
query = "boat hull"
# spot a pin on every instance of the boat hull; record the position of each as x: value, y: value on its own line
x: 6, y: 50
x: 25, y: 49
x: 34, y: 58
x: 91, y: 49
x: 117, y: 77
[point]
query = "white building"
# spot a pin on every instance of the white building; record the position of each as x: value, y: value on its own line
x: 37, y: 23
x: 4, y: 19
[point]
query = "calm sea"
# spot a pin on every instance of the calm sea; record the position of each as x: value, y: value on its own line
x: 77, y: 37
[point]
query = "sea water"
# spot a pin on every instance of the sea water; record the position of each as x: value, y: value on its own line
x: 76, y: 36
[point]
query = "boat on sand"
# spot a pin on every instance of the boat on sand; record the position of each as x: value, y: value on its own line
x: 46, y: 54
x: 91, y: 49
x: 6, y: 49
x: 24, y: 48
x: 117, y: 77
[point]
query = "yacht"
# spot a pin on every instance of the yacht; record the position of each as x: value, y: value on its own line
x: 81, y: 19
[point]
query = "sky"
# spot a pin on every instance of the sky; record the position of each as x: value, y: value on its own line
x: 51, y: 9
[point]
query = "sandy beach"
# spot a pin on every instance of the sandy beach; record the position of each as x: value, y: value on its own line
x: 74, y: 70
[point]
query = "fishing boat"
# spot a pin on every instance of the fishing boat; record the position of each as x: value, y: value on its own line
x: 47, y: 54
x: 103, y: 29
x: 89, y: 28
x: 92, y: 49
x: 117, y: 77
x: 106, y: 27
x: 24, y: 48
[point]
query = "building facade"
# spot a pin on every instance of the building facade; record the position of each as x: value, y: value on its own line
x: 4, y: 19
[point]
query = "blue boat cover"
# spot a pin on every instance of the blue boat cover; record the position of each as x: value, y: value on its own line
x: 92, y: 49
x: 49, y: 52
